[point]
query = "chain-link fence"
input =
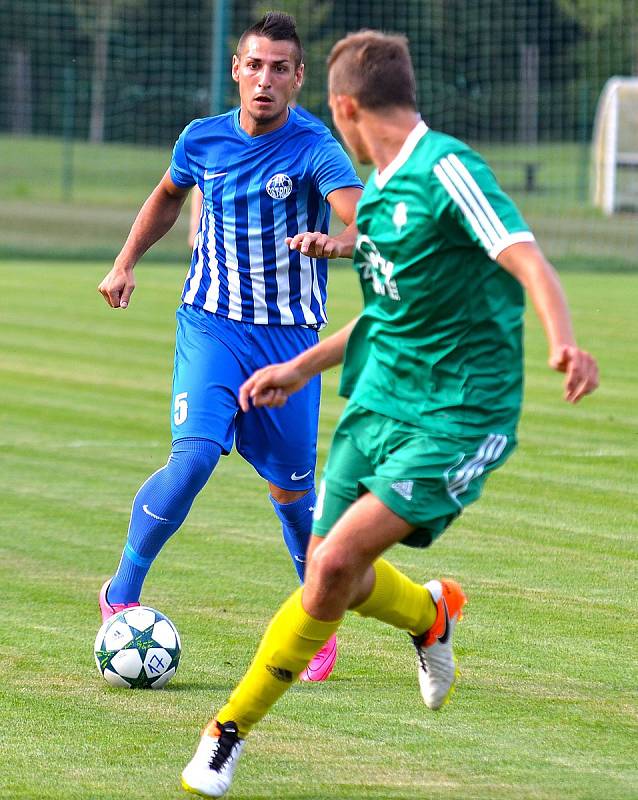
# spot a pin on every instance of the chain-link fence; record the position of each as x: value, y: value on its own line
x: 93, y: 94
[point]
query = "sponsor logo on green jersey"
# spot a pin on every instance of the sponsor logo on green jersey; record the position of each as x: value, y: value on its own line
x: 377, y: 269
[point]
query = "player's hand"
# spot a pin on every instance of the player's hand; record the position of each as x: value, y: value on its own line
x: 271, y: 386
x: 315, y: 245
x: 117, y: 287
x: 580, y: 368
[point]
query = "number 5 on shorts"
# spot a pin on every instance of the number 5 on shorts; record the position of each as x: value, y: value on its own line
x: 181, y: 408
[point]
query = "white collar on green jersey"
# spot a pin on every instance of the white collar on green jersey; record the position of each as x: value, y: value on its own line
x: 411, y: 141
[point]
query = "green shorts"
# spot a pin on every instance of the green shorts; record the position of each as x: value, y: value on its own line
x: 426, y: 478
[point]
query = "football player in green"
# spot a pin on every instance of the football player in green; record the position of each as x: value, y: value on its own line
x: 433, y: 372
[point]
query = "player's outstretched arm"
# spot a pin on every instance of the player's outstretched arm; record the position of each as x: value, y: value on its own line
x: 321, y: 245
x: 272, y: 386
x: 527, y: 263
x: 156, y: 217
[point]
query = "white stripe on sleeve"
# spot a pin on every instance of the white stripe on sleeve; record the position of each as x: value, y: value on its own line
x: 460, y: 199
x: 467, y: 194
x: 477, y: 192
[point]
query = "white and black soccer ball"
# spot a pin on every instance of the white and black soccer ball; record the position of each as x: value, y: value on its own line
x: 137, y: 648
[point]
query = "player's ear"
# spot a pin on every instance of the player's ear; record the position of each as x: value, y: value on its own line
x: 234, y: 71
x: 347, y: 105
x: 299, y: 73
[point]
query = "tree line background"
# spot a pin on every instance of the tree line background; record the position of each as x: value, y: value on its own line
x: 138, y: 70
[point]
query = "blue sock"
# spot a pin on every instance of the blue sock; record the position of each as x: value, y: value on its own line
x: 296, y: 520
x: 159, y: 508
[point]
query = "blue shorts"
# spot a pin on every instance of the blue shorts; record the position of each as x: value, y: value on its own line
x: 213, y: 356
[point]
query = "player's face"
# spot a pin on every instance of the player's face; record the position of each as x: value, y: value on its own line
x: 268, y: 79
x: 344, y: 118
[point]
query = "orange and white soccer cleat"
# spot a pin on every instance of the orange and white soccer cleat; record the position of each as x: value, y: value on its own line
x: 436, y: 663
x: 210, y: 772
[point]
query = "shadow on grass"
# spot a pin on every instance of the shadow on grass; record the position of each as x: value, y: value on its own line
x: 195, y: 686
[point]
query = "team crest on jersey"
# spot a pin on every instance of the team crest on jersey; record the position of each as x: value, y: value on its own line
x: 400, y: 216
x: 279, y: 186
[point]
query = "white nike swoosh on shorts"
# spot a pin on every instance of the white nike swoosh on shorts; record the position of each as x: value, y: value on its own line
x: 295, y: 477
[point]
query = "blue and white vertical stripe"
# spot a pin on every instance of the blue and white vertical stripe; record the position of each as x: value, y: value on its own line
x: 241, y: 266
x: 259, y: 190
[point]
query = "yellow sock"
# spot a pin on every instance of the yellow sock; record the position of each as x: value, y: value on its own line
x: 397, y: 600
x: 291, y: 640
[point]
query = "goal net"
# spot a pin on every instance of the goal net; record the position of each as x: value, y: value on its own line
x: 615, y: 147
x: 93, y: 94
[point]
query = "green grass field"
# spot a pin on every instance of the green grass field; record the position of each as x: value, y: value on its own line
x: 110, y: 182
x: 546, y: 706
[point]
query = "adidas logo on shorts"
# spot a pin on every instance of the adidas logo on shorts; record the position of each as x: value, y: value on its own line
x: 404, y: 488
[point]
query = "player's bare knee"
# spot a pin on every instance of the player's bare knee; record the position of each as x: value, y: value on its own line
x: 332, y: 568
x: 284, y: 496
x: 313, y: 544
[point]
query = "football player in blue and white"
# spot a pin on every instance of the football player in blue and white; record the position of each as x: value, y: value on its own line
x: 255, y: 294
x: 196, y: 198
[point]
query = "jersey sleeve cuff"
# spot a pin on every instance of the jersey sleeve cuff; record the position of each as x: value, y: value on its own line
x: 179, y: 179
x: 513, y: 238
x: 351, y: 184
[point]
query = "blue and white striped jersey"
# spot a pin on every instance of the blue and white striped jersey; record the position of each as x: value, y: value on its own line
x: 257, y: 191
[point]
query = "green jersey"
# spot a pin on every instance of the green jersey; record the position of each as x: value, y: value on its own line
x: 439, y: 343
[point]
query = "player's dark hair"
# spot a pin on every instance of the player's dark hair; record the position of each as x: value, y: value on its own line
x: 375, y: 68
x: 278, y: 27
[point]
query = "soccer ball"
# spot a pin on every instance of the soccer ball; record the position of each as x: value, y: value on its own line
x: 137, y: 648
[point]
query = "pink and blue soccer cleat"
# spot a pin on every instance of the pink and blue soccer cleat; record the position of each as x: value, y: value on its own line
x: 108, y: 609
x: 322, y: 662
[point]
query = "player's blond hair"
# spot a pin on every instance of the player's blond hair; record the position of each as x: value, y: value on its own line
x: 375, y: 68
